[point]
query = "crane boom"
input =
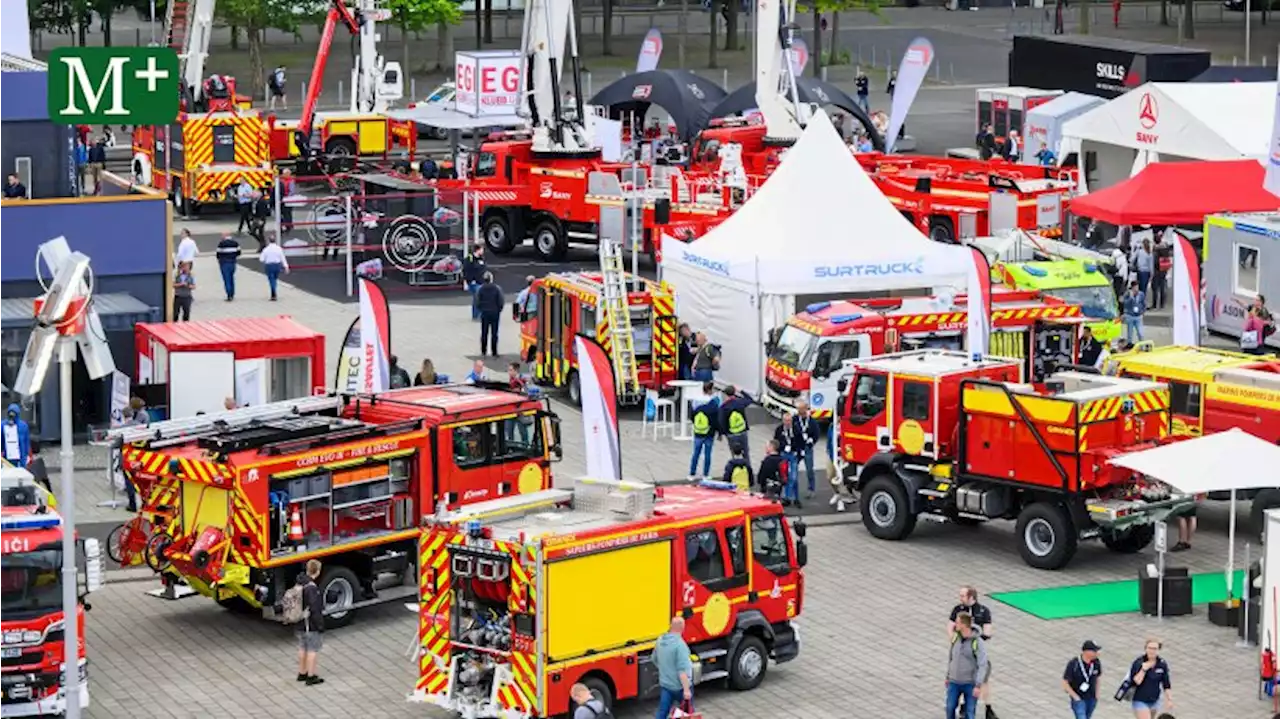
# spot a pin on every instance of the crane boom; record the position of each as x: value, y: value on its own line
x: 338, y: 12
x: 777, y: 95
x: 548, y: 34
x: 188, y: 26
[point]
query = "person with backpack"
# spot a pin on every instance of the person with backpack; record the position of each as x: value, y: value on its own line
x: 966, y: 664
x: 706, y: 360
x: 737, y: 471
x: 1148, y: 679
x: 733, y: 420
x: 277, y: 83
x: 303, y: 607
x: 706, y: 424
x: 588, y: 706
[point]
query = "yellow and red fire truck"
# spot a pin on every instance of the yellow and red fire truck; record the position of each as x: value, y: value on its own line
x: 805, y: 363
x: 562, y: 305
x: 31, y: 543
x: 940, y: 434
x: 511, y: 612
x: 204, y: 156
x: 234, y: 503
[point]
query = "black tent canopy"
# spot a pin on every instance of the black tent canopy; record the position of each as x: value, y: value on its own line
x: 809, y: 90
x: 687, y: 97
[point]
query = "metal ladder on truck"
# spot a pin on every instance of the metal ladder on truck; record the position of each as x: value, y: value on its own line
x: 177, y: 431
x: 618, y: 312
x: 187, y: 29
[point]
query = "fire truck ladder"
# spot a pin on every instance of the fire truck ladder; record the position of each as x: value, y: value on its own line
x: 187, y: 27
x: 618, y: 312
x: 188, y: 428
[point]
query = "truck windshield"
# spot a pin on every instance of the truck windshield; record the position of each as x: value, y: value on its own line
x: 795, y: 348
x: 1096, y: 303
x: 31, y: 582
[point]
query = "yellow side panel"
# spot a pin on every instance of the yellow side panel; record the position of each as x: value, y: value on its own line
x: 373, y: 137
x: 341, y: 127
x: 203, y: 506
x: 637, y: 581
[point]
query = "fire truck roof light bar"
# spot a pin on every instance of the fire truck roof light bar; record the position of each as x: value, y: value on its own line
x: 225, y: 420
x: 30, y: 521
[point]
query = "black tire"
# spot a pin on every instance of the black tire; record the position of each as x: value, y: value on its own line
x: 113, y: 543
x: 496, y: 230
x: 237, y: 605
x: 1047, y: 539
x: 155, y: 551
x: 575, y: 388
x: 341, y: 153
x: 886, y: 509
x: 1131, y: 540
x: 181, y: 204
x: 941, y: 229
x: 549, y: 241
x: 748, y: 665
x: 439, y: 133
x: 600, y: 689
x: 339, y: 585
x: 1262, y: 501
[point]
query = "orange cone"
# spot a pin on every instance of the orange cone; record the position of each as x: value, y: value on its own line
x: 295, y: 527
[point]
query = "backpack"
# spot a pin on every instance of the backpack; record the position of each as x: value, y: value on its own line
x: 291, y: 608
x: 737, y: 421
x: 599, y: 714
x: 702, y: 420
x: 741, y: 478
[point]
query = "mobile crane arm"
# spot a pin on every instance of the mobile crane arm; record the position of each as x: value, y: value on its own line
x: 338, y: 12
x: 777, y: 96
x: 188, y: 25
x: 548, y: 33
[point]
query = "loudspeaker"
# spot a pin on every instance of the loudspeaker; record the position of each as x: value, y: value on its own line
x: 1177, y: 592
x: 662, y: 211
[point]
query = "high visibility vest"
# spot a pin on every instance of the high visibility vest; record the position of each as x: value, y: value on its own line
x: 741, y: 478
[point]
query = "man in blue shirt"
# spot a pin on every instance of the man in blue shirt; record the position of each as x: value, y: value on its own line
x: 1080, y: 679
x: 1133, y: 306
x: 706, y: 424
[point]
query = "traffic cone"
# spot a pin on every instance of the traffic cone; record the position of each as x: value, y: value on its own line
x: 295, y: 527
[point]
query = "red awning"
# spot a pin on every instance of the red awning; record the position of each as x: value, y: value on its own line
x: 1180, y: 193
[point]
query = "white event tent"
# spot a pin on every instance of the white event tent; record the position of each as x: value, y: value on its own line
x: 1171, y: 121
x: 818, y: 228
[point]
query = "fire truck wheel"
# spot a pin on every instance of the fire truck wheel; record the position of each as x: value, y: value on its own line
x: 180, y: 203
x: 497, y: 233
x: 549, y: 240
x: 749, y: 665
x: 941, y: 229
x: 155, y: 551
x: 341, y: 152
x: 575, y: 389
x: 338, y: 586
x: 1047, y: 538
x: 599, y: 689
x: 1131, y: 540
x: 886, y: 512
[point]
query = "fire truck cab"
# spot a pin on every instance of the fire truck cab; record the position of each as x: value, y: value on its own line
x: 530, y: 595
x: 240, y: 500
x: 954, y: 438
x: 1213, y: 390
x: 562, y: 305
x: 33, y: 679
x: 807, y: 362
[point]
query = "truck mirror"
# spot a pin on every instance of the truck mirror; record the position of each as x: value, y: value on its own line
x: 802, y: 553
x: 843, y: 385
x: 800, y: 528
x: 839, y: 408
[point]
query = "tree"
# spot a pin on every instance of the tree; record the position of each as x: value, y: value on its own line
x: 256, y: 16
x: 835, y: 7
x: 418, y: 15
x: 607, y: 36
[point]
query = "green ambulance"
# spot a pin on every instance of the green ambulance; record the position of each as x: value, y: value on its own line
x: 1078, y: 282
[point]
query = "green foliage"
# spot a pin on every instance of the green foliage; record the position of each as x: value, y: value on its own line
x: 256, y: 15
x: 825, y: 6
x: 417, y: 15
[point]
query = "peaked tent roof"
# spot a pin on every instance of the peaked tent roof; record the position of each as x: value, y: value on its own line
x: 688, y: 98
x: 1194, y: 466
x: 820, y: 224
x: 1064, y: 104
x: 1199, y: 120
x: 1180, y: 193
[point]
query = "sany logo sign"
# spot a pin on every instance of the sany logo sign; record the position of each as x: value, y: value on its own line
x: 881, y: 269
x: 1148, y: 117
x: 108, y: 85
x: 547, y: 192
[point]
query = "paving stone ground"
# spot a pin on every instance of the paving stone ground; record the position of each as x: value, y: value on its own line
x: 873, y: 615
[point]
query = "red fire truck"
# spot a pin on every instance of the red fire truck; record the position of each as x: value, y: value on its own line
x: 529, y: 595
x: 34, y: 677
x: 234, y: 503
x: 942, y: 435
x: 807, y: 360
x: 555, y: 200
x: 562, y: 305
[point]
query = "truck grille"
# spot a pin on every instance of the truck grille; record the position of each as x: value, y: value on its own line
x: 27, y: 658
x: 782, y: 391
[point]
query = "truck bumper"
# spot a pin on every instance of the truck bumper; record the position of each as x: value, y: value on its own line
x: 53, y: 705
x: 786, y: 642
x: 776, y: 404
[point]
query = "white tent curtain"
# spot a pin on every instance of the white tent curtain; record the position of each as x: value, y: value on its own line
x: 1142, y: 159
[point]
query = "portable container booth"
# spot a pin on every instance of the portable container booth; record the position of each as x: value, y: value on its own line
x: 1102, y: 66
x: 1006, y: 108
x: 1242, y: 261
x: 1043, y: 124
x: 191, y: 367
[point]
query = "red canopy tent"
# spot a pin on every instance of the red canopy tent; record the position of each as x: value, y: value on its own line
x: 1180, y: 193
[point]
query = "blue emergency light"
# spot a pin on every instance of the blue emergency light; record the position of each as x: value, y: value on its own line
x: 1090, y: 267
x: 1035, y: 271
x: 30, y: 521
x: 717, y: 484
x: 842, y: 319
x: 473, y: 528
x: 817, y: 307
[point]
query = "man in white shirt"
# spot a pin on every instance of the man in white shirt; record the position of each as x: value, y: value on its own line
x: 273, y: 263
x: 186, y: 249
